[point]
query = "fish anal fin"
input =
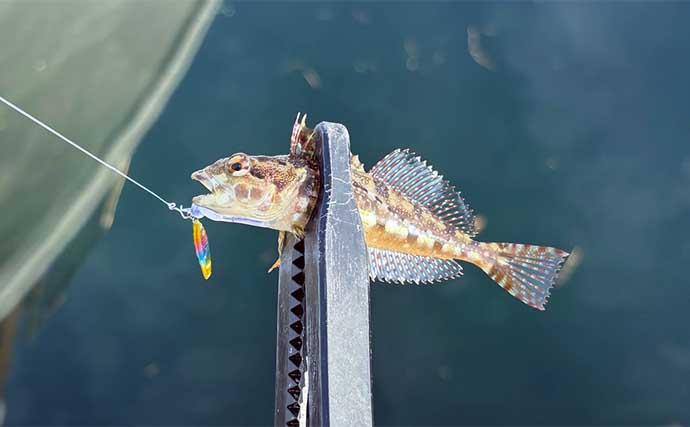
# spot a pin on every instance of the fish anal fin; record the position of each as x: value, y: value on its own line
x: 397, y: 267
x: 410, y: 176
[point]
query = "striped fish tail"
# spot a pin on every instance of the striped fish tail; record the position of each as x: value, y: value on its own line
x: 527, y: 272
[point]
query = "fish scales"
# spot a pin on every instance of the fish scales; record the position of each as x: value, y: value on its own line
x: 391, y: 222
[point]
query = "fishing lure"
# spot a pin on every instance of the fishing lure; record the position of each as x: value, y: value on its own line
x: 201, y: 246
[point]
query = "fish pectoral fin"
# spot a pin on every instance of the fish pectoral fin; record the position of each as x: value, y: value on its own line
x: 275, y: 265
x: 281, y: 245
x: 397, y: 267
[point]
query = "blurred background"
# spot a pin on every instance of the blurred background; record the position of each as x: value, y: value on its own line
x: 563, y: 124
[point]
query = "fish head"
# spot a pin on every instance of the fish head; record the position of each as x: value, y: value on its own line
x: 267, y: 191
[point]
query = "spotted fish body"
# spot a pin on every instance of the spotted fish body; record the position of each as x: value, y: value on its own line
x: 416, y: 225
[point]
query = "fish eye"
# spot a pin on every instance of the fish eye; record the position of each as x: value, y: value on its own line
x: 238, y: 165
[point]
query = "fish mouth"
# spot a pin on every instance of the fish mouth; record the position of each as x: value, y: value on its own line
x: 211, y: 185
x: 205, y: 180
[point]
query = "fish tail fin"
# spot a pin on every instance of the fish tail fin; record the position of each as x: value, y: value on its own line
x: 527, y: 272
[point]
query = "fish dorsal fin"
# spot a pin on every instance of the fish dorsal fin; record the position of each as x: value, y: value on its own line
x: 302, y: 142
x: 409, y: 175
x: 389, y: 266
x: 355, y: 163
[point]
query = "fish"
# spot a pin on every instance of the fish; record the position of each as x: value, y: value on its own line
x: 417, y: 226
x: 477, y: 51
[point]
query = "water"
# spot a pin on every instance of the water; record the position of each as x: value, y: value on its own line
x: 578, y: 138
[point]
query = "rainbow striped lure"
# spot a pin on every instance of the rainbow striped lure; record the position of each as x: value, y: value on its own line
x: 201, y: 247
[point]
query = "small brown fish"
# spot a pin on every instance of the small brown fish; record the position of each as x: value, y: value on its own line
x: 416, y: 225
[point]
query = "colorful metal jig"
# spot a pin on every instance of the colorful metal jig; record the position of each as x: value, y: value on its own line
x: 201, y: 247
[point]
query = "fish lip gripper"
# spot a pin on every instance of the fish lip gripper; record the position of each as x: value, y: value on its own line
x: 323, y: 365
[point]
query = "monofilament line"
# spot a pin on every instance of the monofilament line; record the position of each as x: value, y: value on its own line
x: 16, y: 108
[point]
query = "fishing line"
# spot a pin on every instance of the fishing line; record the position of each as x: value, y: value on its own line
x: 184, y: 212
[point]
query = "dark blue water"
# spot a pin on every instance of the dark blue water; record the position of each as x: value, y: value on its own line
x: 579, y: 137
